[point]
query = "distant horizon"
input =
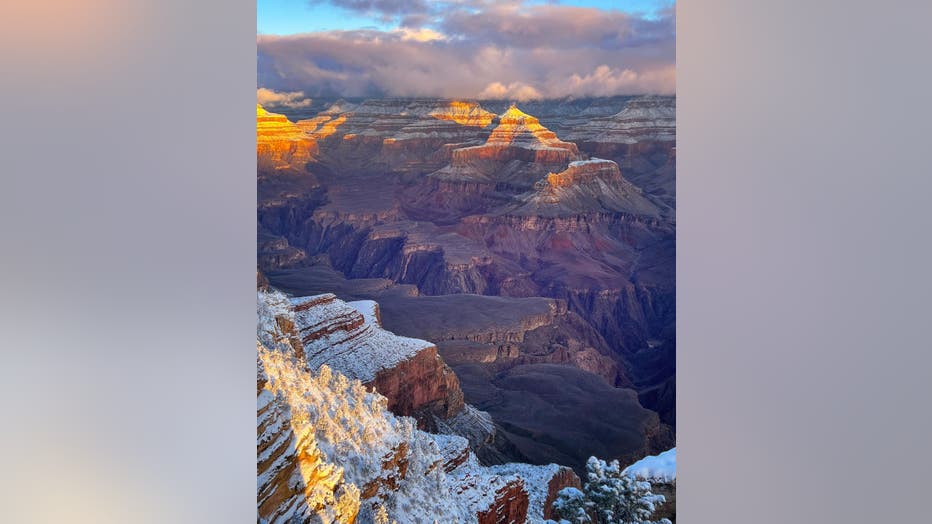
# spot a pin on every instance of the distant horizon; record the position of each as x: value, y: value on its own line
x: 311, y: 102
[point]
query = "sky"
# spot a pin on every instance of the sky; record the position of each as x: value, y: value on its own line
x: 498, y: 49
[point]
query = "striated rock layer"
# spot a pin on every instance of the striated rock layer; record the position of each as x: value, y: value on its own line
x: 405, y: 136
x: 349, y: 338
x: 586, y: 185
x: 329, y: 450
x: 280, y: 144
x: 519, y: 136
x: 641, y: 138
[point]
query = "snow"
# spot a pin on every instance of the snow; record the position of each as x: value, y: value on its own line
x: 350, y: 431
x: 533, y: 476
x: 359, y: 352
x: 369, y: 310
x: 593, y: 160
x: 660, y: 467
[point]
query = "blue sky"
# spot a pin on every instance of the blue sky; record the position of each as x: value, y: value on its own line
x: 286, y: 17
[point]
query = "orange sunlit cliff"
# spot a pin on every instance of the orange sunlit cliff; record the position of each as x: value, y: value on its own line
x: 280, y: 144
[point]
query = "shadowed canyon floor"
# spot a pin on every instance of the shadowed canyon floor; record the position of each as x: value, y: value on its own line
x: 534, y: 246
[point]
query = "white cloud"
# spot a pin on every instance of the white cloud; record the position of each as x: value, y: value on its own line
x: 293, y: 99
x: 606, y: 81
x: 513, y: 91
x: 420, y: 35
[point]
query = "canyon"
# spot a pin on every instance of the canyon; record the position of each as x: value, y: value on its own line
x: 534, y: 247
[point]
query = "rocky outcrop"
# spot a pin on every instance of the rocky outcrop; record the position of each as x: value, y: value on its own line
x: 349, y: 338
x: 518, y: 136
x: 643, y: 119
x: 293, y: 474
x: 328, y: 450
x: 565, y: 478
x: 281, y: 146
x: 421, y: 386
x: 404, y: 136
x: 276, y: 252
x: 583, y: 187
x: 641, y: 138
x: 509, y: 507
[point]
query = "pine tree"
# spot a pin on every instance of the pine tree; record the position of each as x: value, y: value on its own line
x: 609, y: 497
x: 571, y: 506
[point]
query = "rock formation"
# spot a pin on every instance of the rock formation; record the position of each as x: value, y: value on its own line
x: 405, y: 136
x: 329, y: 450
x: 280, y: 144
x: 586, y: 185
x: 643, y: 119
x: 349, y: 338
x: 641, y: 138
x: 518, y: 136
x: 294, y: 476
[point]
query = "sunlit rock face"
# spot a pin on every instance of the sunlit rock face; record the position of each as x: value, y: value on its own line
x: 280, y: 144
x: 329, y: 450
x: 519, y: 136
x: 294, y: 477
x: 407, y: 136
x: 518, y: 152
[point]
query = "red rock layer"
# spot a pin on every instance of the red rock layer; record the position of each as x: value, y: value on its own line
x: 565, y: 478
x: 408, y: 372
x: 519, y: 136
x: 510, y: 505
x: 420, y: 387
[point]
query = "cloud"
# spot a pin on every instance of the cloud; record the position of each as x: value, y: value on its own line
x: 420, y: 35
x: 607, y: 81
x: 293, y: 99
x: 414, y: 11
x: 513, y: 91
x: 498, y: 50
x: 381, y: 7
x: 557, y: 26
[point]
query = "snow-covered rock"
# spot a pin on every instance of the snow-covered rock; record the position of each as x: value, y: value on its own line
x: 349, y: 338
x: 660, y: 471
x: 661, y: 467
x: 329, y: 450
x: 647, y: 118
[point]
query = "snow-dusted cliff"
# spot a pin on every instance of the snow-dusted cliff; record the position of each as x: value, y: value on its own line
x: 647, y: 118
x: 349, y: 338
x: 329, y: 449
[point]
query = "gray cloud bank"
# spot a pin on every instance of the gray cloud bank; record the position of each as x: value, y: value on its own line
x: 506, y: 51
